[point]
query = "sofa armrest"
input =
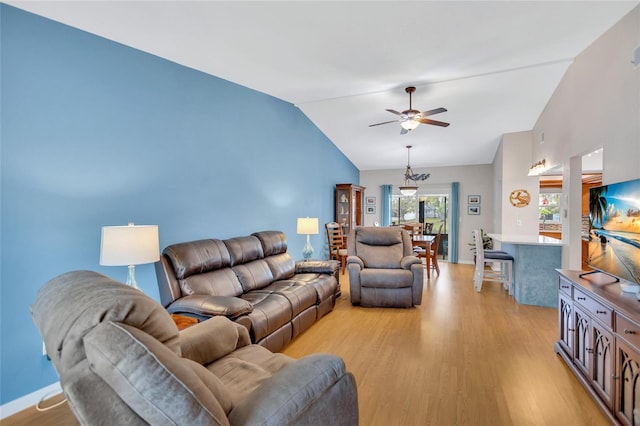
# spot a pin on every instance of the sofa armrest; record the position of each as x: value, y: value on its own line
x: 212, y: 339
x: 355, y: 260
x: 315, y: 389
x: 317, y: 267
x: 205, y: 305
x: 407, y: 261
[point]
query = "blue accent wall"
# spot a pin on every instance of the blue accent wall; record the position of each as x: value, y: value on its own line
x: 95, y: 133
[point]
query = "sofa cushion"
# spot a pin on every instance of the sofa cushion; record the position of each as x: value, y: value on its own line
x: 253, y: 275
x: 221, y: 282
x: 150, y: 378
x: 213, y: 383
x: 270, y: 312
x: 380, y: 248
x: 300, y: 296
x: 273, y: 242
x: 244, y: 249
x: 243, y: 370
x: 324, y: 285
x: 197, y: 257
x: 281, y: 265
x: 386, y: 278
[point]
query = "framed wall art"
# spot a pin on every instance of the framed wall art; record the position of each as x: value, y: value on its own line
x: 473, y: 199
x: 473, y: 210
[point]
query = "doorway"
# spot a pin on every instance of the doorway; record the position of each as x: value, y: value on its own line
x: 433, y: 212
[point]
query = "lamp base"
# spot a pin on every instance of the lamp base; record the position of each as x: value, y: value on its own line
x: 131, y: 277
x: 307, y: 250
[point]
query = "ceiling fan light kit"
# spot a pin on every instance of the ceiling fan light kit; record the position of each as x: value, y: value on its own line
x: 412, y: 118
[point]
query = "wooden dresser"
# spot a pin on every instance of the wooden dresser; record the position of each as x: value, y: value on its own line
x: 599, y: 339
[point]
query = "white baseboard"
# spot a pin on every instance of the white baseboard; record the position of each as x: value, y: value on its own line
x: 29, y: 400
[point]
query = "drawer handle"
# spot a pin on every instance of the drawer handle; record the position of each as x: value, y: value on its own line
x: 582, y: 298
x: 565, y: 286
x: 629, y: 331
x: 601, y: 312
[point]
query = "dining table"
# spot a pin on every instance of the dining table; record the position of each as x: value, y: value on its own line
x: 424, y: 242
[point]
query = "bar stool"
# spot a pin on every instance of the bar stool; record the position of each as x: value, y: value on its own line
x: 504, y: 275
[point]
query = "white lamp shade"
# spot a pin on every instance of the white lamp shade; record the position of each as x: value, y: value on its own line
x: 129, y: 245
x: 409, y: 124
x: 307, y: 225
x: 408, y: 190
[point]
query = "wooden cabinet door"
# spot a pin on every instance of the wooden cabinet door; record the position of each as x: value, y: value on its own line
x: 627, y: 389
x: 349, y: 206
x: 565, y: 324
x: 582, y: 341
x: 602, y: 362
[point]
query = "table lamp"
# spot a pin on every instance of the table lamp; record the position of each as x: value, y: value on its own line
x: 129, y: 245
x: 307, y: 225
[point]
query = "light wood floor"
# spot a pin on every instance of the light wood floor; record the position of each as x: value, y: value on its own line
x: 461, y: 358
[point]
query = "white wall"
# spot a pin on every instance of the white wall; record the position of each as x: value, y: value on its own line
x: 596, y: 105
x: 516, y: 160
x: 474, y: 180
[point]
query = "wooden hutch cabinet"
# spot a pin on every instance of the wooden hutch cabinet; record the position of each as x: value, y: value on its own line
x: 599, y: 339
x: 349, y: 206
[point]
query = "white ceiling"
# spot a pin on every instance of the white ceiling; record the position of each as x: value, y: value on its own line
x: 493, y: 65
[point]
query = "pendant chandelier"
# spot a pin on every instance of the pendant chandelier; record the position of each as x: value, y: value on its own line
x: 408, y: 189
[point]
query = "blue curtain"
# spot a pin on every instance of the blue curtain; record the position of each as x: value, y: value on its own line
x: 385, y: 205
x: 455, y: 221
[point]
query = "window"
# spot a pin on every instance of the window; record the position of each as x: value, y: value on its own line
x: 403, y: 209
x: 549, y: 207
x: 434, y: 208
x: 431, y: 208
x: 549, y: 210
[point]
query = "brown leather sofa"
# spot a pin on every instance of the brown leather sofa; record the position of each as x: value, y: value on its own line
x: 251, y: 280
x: 122, y: 361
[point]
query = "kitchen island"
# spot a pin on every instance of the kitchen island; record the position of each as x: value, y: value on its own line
x: 536, y: 259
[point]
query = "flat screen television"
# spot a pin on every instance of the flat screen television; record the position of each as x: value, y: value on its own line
x: 614, y: 230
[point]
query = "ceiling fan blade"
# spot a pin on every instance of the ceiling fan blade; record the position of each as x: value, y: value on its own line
x: 434, y: 111
x: 393, y: 111
x: 434, y: 122
x: 384, y: 122
x: 403, y: 131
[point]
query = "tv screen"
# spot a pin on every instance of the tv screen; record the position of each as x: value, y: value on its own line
x: 614, y: 229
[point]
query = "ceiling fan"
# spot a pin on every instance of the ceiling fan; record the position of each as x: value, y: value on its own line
x: 412, y: 118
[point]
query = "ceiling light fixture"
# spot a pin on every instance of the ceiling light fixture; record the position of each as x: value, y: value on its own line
x: 411, y: 122
x: 538, y: 168
x: 408, y: 189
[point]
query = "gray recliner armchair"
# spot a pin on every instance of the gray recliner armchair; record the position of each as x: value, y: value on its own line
x: 383, y: 271
x: 122, y: 361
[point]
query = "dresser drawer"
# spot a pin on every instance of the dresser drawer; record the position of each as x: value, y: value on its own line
x: 596, y: 309
x: 565, y: 286
x: 629, y: 330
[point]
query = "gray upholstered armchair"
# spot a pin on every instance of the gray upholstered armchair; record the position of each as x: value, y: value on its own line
x: 122, y: 361
x: 382, y: 268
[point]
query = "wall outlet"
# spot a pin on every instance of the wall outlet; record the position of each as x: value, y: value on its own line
x: 519, y: 222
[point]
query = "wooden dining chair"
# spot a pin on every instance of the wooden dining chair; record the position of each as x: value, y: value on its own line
x: 337, y: 244
x: 433, y: 253
x: 428, y: 228
x: 415, y: 229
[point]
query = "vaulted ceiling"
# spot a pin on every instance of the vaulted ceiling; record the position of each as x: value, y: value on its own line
x: 492, y: 65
